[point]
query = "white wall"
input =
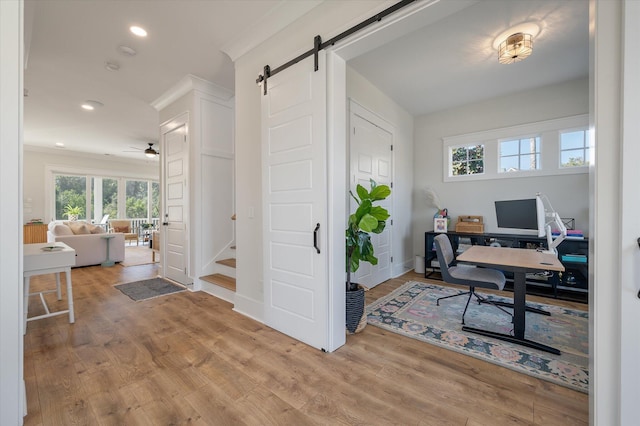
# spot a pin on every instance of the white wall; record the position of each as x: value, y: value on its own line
x: 327, y: 19
x: 36, y: 162
x: 569, y: 194
x: 11, y: 115
x: 364, y: 93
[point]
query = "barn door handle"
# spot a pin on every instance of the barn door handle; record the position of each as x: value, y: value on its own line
x: 315, y: 238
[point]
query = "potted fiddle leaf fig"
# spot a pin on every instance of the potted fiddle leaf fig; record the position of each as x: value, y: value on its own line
x: 366, y: 220
x: 72, y: 212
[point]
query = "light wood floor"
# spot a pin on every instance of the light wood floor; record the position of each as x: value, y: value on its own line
x: 188, y: 358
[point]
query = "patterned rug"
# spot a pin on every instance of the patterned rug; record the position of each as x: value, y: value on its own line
x: 411, y: 310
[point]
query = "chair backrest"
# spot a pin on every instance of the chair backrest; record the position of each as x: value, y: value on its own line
x: 445, y: 256
x: 119, y: 225
x: 104, y: 219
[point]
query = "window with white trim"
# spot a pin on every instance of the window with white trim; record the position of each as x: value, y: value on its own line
x: 520, y: 154
x: 467, y: 160
x: 526, y: 150
x: 574, y: 148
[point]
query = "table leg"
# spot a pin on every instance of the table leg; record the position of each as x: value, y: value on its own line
x: 26, y: 303
x: 58, y: 291
x: 519, y: 310
x: 72, y: 318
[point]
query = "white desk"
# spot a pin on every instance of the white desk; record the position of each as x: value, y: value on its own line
x: 39, y: 262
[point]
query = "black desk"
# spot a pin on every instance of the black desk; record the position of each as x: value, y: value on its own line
x: 518, y: 261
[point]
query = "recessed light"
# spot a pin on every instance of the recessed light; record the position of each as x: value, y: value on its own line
x: 59, y: 144
x: 112, y: 66
x: 126, y: 50
x: 91, y: 105
x: 139, y: 31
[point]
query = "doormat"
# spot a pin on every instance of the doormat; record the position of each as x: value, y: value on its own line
x: 149, y: 289
x: 411, y: 310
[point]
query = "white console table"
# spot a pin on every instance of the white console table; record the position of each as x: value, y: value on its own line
x: 39, y: 261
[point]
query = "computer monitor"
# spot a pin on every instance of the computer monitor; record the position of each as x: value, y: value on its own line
x: 521, y: 216
x: 529, y: 216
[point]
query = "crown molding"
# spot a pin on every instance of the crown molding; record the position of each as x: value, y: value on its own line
x: 186, y: 84
x: 276, y: 20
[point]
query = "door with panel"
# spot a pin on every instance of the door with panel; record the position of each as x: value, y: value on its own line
x: 371, y: 158
x: 175, y: 247
x: 294, y: 203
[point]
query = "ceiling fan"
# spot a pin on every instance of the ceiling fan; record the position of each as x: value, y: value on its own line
x: 149, y: 151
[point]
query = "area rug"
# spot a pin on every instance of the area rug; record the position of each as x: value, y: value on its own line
x: 148, y: 289
x: 411, y: 310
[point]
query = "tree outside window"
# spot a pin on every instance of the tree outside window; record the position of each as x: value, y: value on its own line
x: 467, y: 160
x: 70, y: 190
x: 574, y: 148
x: 137, y: 193
x: 520, y: 154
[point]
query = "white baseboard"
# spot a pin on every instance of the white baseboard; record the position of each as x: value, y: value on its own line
x: 403, y: 268
x: 249, y: 307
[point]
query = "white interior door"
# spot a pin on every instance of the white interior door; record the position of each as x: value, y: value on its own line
x: 294, y: 203
x: 175, y: 249
x: 370, y: 153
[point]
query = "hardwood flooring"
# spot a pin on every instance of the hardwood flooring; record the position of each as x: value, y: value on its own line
x: 188, y: 358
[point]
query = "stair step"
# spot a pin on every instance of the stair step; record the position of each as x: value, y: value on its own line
x: 228, y: 262
x: 221, y: 280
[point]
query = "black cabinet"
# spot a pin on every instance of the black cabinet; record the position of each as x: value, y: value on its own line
x: 572, y: 284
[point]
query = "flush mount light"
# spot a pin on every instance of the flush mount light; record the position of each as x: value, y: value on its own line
x: 112, y: 66
x: 139, y: 31
x: 515, y: 48
x: 59, y: 144
x: 91, y: 105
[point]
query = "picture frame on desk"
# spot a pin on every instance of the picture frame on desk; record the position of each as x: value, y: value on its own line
x: 440, y: 224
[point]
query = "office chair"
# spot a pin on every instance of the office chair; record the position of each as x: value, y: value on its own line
x: 466, y: 275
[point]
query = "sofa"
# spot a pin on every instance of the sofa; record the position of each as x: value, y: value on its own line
x: 86, y: 239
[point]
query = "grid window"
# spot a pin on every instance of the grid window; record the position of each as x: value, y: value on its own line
x: 467, y: 160
x: 574, y: 148
x: 520, y: 155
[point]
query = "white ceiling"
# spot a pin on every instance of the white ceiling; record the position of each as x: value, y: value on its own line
x: 448, y: 63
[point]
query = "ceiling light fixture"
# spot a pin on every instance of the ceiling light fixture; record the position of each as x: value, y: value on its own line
x: 60, y: 144
x: 139, y: 31
x: 150, y: 152
x: 91, y: 105
x: 515, y: 48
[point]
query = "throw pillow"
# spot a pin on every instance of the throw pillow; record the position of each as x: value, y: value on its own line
x: 96, y: 229
x: 60, y: 229
x: 124, y: 229
x: 79, y: 228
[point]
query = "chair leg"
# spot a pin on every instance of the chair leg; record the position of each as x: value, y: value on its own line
x: 489, y: 302
x: 453, y: 295
x: 471, y: 293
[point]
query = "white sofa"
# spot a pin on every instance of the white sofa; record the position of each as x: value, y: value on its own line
x: 87, y: 241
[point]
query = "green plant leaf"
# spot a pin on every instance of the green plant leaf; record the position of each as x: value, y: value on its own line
x: 380, y: 192
x: 362, y: 192
x: 363, y: 209
x: 381, y: 225
x: 368, y: 223
x: 380, y: 213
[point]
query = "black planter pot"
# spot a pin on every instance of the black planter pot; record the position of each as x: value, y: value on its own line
x: 355, y: 308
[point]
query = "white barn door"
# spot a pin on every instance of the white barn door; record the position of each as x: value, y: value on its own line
x: 294, y: 203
